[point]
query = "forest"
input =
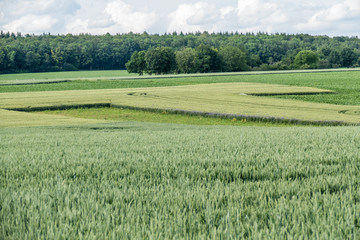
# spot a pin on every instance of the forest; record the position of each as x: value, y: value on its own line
x: 175, y: 52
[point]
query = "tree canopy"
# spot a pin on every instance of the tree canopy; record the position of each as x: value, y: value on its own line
x: 306, y: 59
x: 261, y: 51
x: 186, y: 61
x: 137, y: 63
x: 160, y: 60
x: 233, y: 59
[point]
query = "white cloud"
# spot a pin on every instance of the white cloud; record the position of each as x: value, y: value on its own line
x: 331, y: 17
x: 128, y: 19
x: 31, y: 24
x: 101, y: 22
x: 77, y: 26
x: 36, y: 16
x: 258, y: 13
x: 354, y: 5
x: 204, y: 14
x: 100, y: 17
x: 226, y: 12
x: 244, y: 17
x: 59, y: 7
x: 337, y: 16
x: 200, y: 16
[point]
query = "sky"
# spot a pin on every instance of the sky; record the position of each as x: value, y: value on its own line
x: 315, y: 17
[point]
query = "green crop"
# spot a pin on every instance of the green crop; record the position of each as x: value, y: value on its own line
x: 158, y: 181
x: 240, y: 99
x: 121, y: 114
x: 65, y: 75
x: 84, y: 176
x: 344, y: 83
x: 21, y: 119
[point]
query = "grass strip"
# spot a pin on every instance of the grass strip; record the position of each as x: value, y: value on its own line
x: 124, y: 75
x: 18, y: 83
x: 241, y: 117
x: 60, y: 107
x: 10, y: 119
x: 233, y: 117
x: 289, y: 94
x: 137, y: 115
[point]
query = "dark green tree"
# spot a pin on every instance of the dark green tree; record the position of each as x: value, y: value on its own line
x: 348, y: 57
x: 233, y: 59
x: 33, y: 61
x: 208, y: 59
x: 186, y: 61
x: 58, y: 56
x: 160, y: 60
x: 335, y: 58
x: 306, y: 59
x: 137, y: 63
x: 253, y: 61
x: 102, y: 52
x: 3, y: 60
x: 12, y: 62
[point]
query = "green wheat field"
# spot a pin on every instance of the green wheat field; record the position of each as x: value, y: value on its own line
x: 106, y: 155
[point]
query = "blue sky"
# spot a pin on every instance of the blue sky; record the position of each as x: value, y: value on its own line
x: 321, y: 17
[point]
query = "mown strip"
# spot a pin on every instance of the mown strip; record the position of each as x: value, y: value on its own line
x: 135, y: 115
x: 235, y: 117
x: 25, y: 119
x: 17, y: 83
x: 60, y: 107
x: 289, y: 94
x: 251, y: 118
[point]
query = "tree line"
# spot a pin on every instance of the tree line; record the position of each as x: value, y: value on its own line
x: 175, y: 52
x: 204, y: 59
x: 163, y: 60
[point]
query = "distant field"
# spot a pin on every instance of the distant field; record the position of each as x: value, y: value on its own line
x: 196, y: 98
x: 65, y: 75
x: 221, y: 98
x: 344, y: 83
x: 121, y: 74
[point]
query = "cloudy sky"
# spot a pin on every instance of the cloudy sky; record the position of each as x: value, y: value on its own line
x: 317, y: 17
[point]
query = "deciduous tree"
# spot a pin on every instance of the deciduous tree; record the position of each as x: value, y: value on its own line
x: 137, y: 63
x: 232, y: 59
x: 306, y: 59
x: 160, y: 60
x: 208, y: 59
x: 186, y: 61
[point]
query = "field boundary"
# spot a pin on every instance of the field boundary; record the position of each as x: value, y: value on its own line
x: 291, y: 93
x: 253, y: 118
x: 221, y: 74
x: 9, y: 83
x: 216, y: 74
x: 59, y: 107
